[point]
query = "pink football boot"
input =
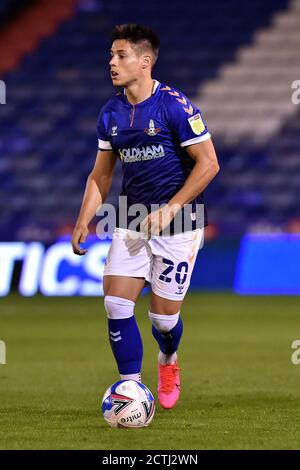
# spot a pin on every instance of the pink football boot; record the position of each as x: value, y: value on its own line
x: 168, y: 384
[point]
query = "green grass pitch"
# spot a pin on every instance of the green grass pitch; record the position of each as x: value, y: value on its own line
x: 240, y: 389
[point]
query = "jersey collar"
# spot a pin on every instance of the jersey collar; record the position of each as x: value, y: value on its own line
x: 155, y: 87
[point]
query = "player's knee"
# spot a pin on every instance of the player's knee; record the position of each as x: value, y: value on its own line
x: 118, y: 308
x: 164, y: 323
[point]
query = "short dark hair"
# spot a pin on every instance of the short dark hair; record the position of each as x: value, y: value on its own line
x: 139, y: 35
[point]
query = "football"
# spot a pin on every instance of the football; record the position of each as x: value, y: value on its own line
x: 128, y: 404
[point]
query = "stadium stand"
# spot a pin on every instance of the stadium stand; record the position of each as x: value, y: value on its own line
x: 11, y: 8
x: 48, y: 137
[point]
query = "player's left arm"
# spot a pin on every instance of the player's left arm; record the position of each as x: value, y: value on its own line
x: 205, y: 169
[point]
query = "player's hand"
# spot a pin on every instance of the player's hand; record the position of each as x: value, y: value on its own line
x: 157, y: 221
x: 79, y: 236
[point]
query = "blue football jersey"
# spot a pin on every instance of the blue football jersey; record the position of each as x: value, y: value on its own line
x: 150, y: 139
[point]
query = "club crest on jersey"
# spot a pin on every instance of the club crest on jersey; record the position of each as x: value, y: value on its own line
x: 197, y: 124
x: 152, y: 129
x: 114, y: 130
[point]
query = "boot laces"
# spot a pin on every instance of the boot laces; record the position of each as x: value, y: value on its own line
x: 168, y: 377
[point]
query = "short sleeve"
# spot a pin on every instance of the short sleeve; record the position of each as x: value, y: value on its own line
x: 103, y: 137
x: 186, y: 121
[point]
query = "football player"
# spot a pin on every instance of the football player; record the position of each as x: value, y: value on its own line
x: 168, y: 159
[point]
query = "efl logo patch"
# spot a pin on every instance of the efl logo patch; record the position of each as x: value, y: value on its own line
x: 196, y: 124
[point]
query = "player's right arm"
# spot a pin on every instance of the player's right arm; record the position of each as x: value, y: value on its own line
x: 97, y: 188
